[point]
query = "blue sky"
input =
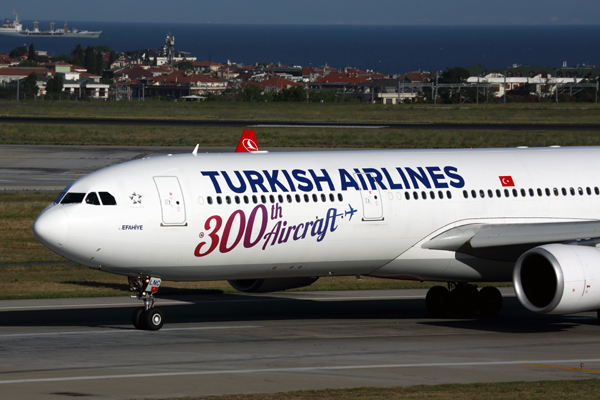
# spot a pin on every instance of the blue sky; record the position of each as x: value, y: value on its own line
x: 373, y: 12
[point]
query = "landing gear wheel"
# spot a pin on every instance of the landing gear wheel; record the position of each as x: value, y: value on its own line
x: 464, y: 300
x: 490, y: 300
x: 137, y: 318
x: 436, y: 301
x: 153, y: 319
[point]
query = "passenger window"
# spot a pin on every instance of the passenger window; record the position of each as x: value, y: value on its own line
x: 406, y: 195
x: 498, y: 193
x: 306, y: 198
x: 323, y: 197
x: 416, y: 195
x: 331, y: 197
x: 596, y: 190
x: 73, y: 198
x: 432, y: 195
x: 237, y: 199
x: 280, y: 198
x: 506, y: 193
x: 531, y: 193
x: 548, y: 192
x: 107, y: 199
x: 572, y: 191
x: 424, y: 195
x: 209, y: 200
x: 315, y: 198
x: 92, y: 198
x: 465, y: 194
x: 564, y: 191
x: 523, y: 193
x: 539, y: 192
x: 580, y: 191
x: 515, y: 193
x: 340, y: 197
x: 588, y: 190
x: 556, y: 191
x: 440, y: 194
x: 490, y: 193
x: 246, y: 200
x: 448, y: 194
x: 219, y: 200
x: 263, y: 198
x: 482, y: 194
x: 254, y: 199
x: 289, y: 198
x: 298, y: 199
x: 272, y: 198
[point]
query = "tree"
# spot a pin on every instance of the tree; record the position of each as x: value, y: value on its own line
x: 185, y: 65
x: 295, y: 93
x: 78, y: 56
x: 454, y: 75
x: 253, y: 92
x: 31, y: 56
x: 28, y: 63
x: 55, y: 84
x: 90, y: 60
x: 30, y: 87
x: 18, y: 52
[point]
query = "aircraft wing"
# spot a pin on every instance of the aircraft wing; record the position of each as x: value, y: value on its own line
x: 506, y: 242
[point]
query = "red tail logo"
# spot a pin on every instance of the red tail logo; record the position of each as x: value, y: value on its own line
x: 247, y: 143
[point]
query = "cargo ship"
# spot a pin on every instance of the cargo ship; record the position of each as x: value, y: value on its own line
x: 16, y: 29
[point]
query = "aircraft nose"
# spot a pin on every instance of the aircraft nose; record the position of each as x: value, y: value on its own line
x: 51, y: 227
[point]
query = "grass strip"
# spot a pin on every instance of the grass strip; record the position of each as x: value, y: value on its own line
x: 564, y: 389
x: 108, y: 135
x: 312, y: 112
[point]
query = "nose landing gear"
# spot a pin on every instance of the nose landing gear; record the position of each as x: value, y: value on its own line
x: 147, y: 317
x: 463, y: 299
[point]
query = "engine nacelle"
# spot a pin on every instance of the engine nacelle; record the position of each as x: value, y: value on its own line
x: 558, y: 279
x: 270, y: 285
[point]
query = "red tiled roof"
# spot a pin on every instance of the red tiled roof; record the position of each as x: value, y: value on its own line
x: 342, y: 78
x: 24, y: 71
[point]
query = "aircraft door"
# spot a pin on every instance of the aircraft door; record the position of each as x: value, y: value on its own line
x: 171, y: 200
x: 372, y: 204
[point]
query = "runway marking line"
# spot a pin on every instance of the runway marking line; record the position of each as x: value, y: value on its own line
x: 559, y: 367
x: 289, y: 369
x: 199, y: 328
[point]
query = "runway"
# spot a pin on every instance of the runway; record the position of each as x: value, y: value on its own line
x: 224, y: 344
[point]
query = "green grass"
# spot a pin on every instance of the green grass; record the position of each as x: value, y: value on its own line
x: 543, y: 390
x: 108, y: 135
x: 316, y: 112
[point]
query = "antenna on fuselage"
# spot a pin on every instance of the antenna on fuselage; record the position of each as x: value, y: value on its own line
x: 195, y: 152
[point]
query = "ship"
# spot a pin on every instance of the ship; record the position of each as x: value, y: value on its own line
x: 16, y: 29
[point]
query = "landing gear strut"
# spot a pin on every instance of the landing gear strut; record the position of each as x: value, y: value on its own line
x: 463, y: 299
x: 147, y: 317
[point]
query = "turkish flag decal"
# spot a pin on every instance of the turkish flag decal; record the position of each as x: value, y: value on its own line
x: 507, y: 181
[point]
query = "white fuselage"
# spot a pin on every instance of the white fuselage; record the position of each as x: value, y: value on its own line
x: 276, y: 215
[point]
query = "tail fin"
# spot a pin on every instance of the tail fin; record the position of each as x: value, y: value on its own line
x: 247, y: 142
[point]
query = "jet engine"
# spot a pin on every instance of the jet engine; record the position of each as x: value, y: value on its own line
x: 558, y: 279
x: 270, y: 285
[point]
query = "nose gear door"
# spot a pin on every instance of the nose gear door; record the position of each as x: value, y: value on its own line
x: 171, y: 200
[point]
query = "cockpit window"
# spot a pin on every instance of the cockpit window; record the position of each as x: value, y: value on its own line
x: 73, y: 198
x: 60, y: 197
x: 107, y: 199
x: 92, y: 198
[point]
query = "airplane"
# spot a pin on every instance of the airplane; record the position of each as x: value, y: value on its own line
x: 275, y: 221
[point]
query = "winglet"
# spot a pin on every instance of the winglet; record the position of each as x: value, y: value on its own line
x: 247, y: 143
x: 195, y: 152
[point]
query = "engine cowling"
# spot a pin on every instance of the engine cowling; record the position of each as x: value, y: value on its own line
x: 558, y: 279
x: 270, y: 285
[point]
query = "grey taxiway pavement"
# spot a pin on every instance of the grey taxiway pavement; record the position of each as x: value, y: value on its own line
x: 51, y: 168
x: 217, y: 344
